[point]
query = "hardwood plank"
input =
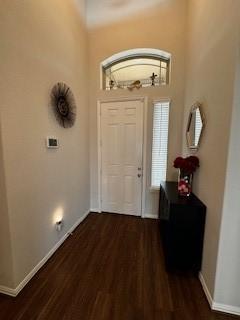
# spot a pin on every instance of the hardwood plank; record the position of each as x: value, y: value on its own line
x: 111, y: 268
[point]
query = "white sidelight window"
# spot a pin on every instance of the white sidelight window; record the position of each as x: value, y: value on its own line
x: 160, y: 142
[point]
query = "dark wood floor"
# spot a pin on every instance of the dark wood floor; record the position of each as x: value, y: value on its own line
x: 111, y: 268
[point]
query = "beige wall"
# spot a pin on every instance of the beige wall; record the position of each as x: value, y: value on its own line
x: 162, y: 27
x: 212, y: 48
x: 42, y: 42
x: 6, y: 262
x: 227, y: 290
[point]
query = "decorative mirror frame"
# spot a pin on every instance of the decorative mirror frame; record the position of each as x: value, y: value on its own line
x: 195, y: 106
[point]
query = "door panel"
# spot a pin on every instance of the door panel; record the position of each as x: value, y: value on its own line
x: 130, y: 144
x: 113, y: 140
x: 122, y: 140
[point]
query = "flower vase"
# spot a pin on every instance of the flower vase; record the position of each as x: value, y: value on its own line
x: 184, y: 183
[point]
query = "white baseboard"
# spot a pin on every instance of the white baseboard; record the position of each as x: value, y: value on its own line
x: 215, y: 306
x: 205, y: 289
x: 8, y: 291
x: 96, y: 210
x: 14, y: 292
x: 226, y: 308
x: 150, y: 216
x: 146, y: 215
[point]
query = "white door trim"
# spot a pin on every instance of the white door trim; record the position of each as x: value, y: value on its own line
x: 144, y: 179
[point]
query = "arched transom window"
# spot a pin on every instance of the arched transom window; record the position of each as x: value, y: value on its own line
x: 135, y: 69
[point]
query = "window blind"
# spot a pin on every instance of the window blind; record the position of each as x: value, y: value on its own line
x: 159, y: 143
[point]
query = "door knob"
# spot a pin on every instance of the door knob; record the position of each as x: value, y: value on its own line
x: 139, y: 168
x: 139, y: 175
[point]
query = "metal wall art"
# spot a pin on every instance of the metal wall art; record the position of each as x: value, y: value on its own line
x: 63, y: 105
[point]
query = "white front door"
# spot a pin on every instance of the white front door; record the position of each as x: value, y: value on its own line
x: 121, y: 156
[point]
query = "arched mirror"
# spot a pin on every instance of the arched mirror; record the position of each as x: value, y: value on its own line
x: 195, y: 126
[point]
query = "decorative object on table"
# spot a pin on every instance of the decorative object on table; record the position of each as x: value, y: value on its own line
x: 136, y: 84
x: 195, y: 126
x: 153, y: 77
x: 63, y: 104
x: 111, y: 84
x: 187, y: 166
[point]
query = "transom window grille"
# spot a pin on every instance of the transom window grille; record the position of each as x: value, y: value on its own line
x: 160, y: 143
x: 136, y: 72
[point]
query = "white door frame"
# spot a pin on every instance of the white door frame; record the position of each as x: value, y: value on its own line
x: 143, y: 99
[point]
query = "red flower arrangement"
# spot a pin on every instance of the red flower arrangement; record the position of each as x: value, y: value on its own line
x: 188, y: 165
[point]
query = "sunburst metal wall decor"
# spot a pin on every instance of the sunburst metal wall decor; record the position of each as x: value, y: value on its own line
x: 63, y: 104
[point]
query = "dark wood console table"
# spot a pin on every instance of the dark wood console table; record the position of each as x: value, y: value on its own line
x: 182, y: 222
